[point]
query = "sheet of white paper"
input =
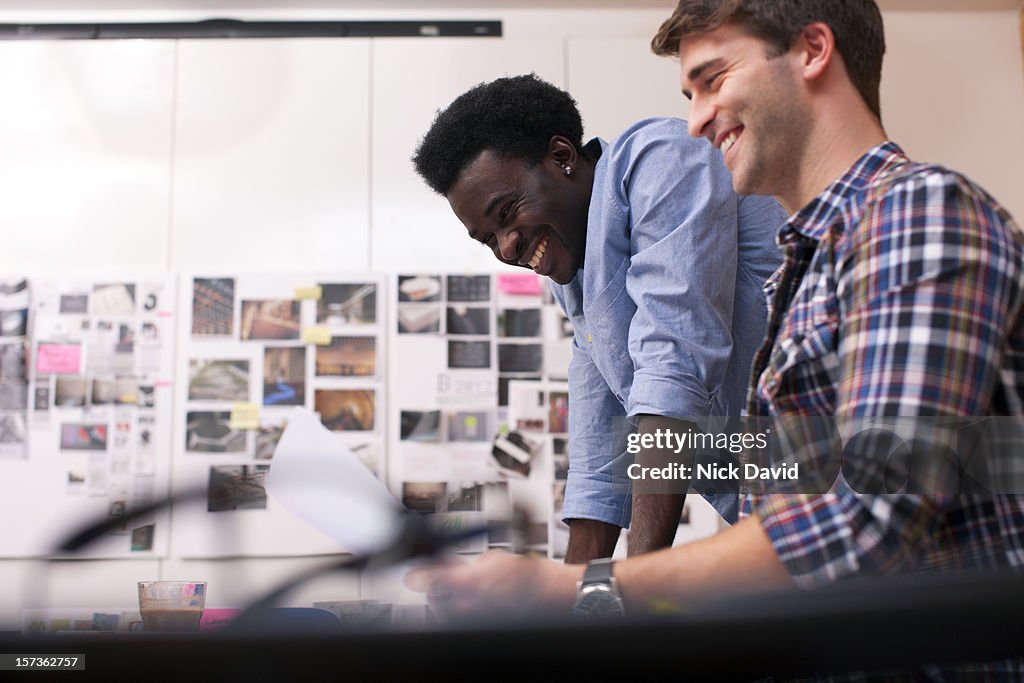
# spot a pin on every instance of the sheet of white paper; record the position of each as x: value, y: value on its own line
x: 319, y: 479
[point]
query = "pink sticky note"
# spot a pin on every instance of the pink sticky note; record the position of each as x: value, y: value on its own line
x: 58, y: 359
x: 216, y: 619
x: 525, y: 284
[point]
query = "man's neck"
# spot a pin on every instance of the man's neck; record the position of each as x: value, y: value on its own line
x: 835, y: 144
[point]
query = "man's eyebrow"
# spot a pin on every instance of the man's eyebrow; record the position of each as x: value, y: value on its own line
x: 494, y: 202
x: 696, y: 71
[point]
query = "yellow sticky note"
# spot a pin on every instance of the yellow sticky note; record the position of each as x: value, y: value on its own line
x: 319, y: 335
x: 244, y: 416
x: 316, y: 292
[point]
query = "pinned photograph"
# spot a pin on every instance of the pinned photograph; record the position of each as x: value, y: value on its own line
x: 469, y: 288
x: 466, y: 320
x: 519, y: 322
x: 74, y: 304
x: 465, y: 498
x: 237, y: 487
x: 560, y: 448
x: 268, y: 436
x: 150, y: 296
x: 71, y: 391
x: 347, y: 304
x: 520, y: 357
x: 142, y: 538
x: 83, y: 437
x: 213, y: 306
x: 558, y: 412
x: 13, y: 395
x: 469, y: 354
x: 425, y: 497
x: 218, y: 380
x: 104, y: 391
x: 14, y: 323
x: 514, y: 452
x: 271, y: 320
x: 420, y: 425
x: 42, y: 399
x: 284, y: 376
x: 346, y: 410
x: 113, y: 300
x: 126, y: 388
x: 416, y: 319
x: 347, y: 357
x: 419, y: 288
x: 210, y: 432
x: 503, y: 391
x: 469, y: 426
x: 12, y: 435
x: 12, y: 361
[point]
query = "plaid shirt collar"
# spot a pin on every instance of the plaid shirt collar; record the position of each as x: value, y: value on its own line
x: 814, y: 219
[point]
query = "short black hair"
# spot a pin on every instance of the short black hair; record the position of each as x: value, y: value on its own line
x: 514, y: 116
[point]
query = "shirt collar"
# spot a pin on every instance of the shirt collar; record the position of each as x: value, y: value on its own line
x: 814, y: 219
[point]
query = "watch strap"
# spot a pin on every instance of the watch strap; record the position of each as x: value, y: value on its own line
x: 598, y: 571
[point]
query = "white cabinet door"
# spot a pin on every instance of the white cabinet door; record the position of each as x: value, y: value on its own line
x: 85, y: 130
x: 271, y: 155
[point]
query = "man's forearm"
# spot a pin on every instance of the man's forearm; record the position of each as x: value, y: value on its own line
x: 589, y: 540
x: 657, y: 503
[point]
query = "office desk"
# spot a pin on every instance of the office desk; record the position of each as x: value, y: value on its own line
x: 900, y: 622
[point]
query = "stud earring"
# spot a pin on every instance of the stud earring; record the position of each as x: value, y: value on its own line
x: 567, y: 169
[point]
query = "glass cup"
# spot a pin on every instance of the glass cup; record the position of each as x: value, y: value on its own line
x: 171, y: 606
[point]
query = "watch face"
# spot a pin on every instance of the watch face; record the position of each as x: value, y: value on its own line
x: 598, y: 601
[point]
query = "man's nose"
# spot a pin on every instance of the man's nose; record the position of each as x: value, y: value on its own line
x: 700, y: 118
x: 508, y: 245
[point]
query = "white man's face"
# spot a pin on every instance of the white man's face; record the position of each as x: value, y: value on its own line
x: 748, y: 106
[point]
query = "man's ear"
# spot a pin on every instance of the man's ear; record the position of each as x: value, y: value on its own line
x: 817, y: 49
x: 563, y: 151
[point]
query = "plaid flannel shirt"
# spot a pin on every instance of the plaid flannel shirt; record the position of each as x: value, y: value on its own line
x: 901, y: 295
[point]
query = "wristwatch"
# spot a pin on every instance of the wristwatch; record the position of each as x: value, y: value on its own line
x: 597, y: 594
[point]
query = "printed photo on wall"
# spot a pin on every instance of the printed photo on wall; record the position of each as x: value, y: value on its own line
x: 113, y: 300
x: 347, y: 304
x: 419, y: 288
x: 14, y: 323
x: 268, y: 436
x: 213, y: 306
x: 142, y: 538
x: 425, y: 497
x: 12, y: 436
x: 469, y: 354
x: 466, y: 320
x: 12, y: 361
x: 237, y: 487
x: 420, y: 425
x: 346, y: 410
x: 74, y: 304
x: 558, y: 412
x: 271, y: 320
x: 469, y: 288
x: 519, y: 322
x: 72, y: 391
x: 347, y: 357
x: 284, y: 376
x: 218, y: 380
x: 469, y: 426
x: 83, y: 437
x: 418, y: 319
x: 465, y: 498
x: 520, y: 357
x: 210, y: 432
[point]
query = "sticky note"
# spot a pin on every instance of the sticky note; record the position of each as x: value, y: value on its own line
x: 319, y: 335
x: 58, y: 359
x: 525, y: 284
x: 315, y: 292
x: 244, y: 416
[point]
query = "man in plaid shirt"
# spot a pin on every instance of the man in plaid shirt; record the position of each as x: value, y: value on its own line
x: 901, y: 298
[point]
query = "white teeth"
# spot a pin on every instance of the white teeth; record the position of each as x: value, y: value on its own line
x: 541, y: 248
x: 728, y: 142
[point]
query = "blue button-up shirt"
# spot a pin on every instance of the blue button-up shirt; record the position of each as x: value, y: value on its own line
x: 668, y: 308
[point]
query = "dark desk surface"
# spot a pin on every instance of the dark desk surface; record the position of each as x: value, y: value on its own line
x: 846, y: 627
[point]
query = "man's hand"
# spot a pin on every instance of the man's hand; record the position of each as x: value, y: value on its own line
x: 590, y: 540
x: 498, y: 584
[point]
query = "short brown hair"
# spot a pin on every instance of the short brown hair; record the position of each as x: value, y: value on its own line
x: 857, y: 25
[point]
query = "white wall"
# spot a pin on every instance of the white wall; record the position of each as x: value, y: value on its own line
x: 289, y: 155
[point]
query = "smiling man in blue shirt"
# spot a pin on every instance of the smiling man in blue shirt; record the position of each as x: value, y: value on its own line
x: 657, y: 262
